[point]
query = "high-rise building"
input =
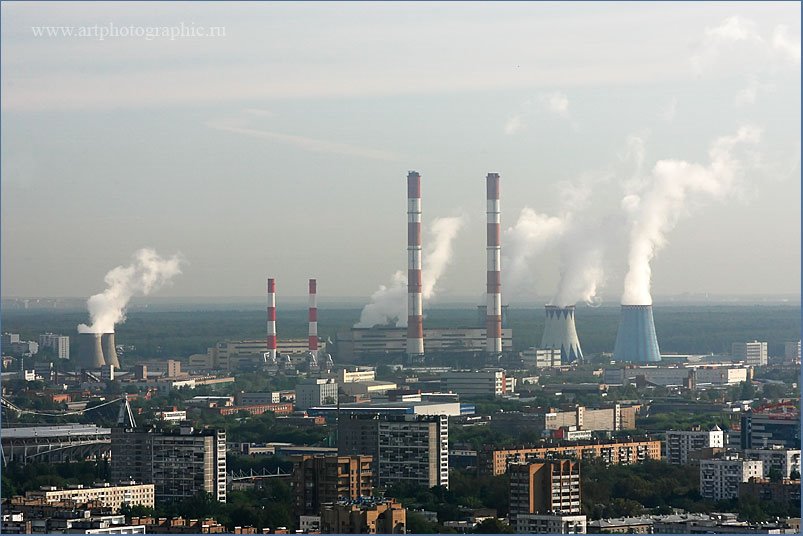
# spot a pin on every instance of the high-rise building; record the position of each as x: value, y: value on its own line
x: 771, y: 427
x: 322, y: 479
x: 316, y: 392
x: 792, y: 352
x: 59, y: 344
x: 179, y: 462
x: 545, y: 497
x: 679, y: 443
x: 752, y: 353
x: 405, y: 448
x: 720, y: 478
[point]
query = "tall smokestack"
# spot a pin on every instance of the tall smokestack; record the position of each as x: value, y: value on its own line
x: 313, y: 317
x: 415, y: 322
x: 90, y: 350
x: 271, y: 354
x: 110, y: 350
x: 493, y: 311
x: 636, y: 341
x: 560, y: 333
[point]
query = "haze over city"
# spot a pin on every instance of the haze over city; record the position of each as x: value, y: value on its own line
x: 282, y: 147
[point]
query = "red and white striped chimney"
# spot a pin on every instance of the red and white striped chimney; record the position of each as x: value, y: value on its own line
x: 493, y: 312
x: 415, y: 322
x: 271, y: 319
x: 313, y: 316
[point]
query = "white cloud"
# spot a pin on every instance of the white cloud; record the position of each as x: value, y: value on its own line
x: 557, y: 103
x: 784, y: 44
x: 513, y: 125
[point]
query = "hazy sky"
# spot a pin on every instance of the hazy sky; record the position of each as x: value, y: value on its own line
x: 282, y: 148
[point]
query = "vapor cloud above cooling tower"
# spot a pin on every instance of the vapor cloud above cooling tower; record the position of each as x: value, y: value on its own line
x: 389, y: 303
x: 147, y: 273
x: 522, y: 242
x: 673, y: 189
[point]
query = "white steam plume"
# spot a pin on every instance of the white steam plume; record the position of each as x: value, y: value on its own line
x: 673, y: 186
x: 389, y: 303
x: 147, y: 273
x: 523, y: 242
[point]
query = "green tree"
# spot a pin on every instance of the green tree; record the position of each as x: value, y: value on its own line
x: 493, y: 526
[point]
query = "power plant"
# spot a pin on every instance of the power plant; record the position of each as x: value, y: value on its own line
x: 493, y: 312
x: 93, y: 350
x: 636, y: 341
x: 415, y: 318
x: 560, y: 333
x: 270, y: 355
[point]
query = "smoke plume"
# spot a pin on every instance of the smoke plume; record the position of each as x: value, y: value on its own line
x: 389, y: 303
x: 147, y: 273
x: 674, y: 187
x: 523, y: 242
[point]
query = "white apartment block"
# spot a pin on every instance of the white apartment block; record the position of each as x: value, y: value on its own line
x: 720, y: 479
x: 679, y: 443
x: 316, y: 392
x: 785, y: 460
x: 752, y: 353
x: 550, y: 524
x: 60, y: 344
x: 487, y: 383
x: 413, y: 448
x: 108, y: 495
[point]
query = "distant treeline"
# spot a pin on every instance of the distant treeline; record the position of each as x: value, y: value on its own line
x: 681, y: 329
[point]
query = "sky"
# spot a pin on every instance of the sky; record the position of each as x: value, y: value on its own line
x: 281, y: 148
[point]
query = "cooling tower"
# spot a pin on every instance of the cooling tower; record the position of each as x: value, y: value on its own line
x: 109, y: 350
x: 561, y: 333
x: 90, y: 350
x: 636, y: 341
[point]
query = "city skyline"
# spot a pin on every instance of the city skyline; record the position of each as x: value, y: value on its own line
x: 262, y: 153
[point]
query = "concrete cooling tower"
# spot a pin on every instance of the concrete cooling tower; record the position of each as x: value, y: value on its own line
x: 636, y: 341
x: 90, y: 350
x: 109, y: 350
x: 561, y: 333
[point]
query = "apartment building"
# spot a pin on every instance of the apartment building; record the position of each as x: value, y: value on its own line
x: 364, y: 516
x: 679, y: 443
x: 720, y: 478
x: 107, y: 495
x: 786, y: 461
x: 326, y: 479
x: 752, y: 353
x: 545, y: 497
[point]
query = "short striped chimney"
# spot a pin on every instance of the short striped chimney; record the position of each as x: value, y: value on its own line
x: 493, y: 318
x: 271, y: 354
x: 415, y: 322
x: 313, y: 317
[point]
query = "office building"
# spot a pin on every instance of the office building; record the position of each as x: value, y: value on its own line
x: 108, y: 495
x: 752, y: 353
x: 720, y: 478
x: 487, y: 383
x: 316, y: 392
x: 771, y: 426
x: 545, y: 497
x: 58, y: 344
x: 679, y: 443
x: 326, y: 479
x: 405, y: 448
x: 364, y: 516
x: 179, y: 462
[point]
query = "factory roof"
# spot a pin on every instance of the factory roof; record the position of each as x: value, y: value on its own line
x: 54, y: 431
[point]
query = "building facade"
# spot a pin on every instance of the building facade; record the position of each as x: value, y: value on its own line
x: 549, y: 489
x: 316, y: 392
x: 752, y: 353
x: 785, y: 461
x: 327, y: 479
x: 110, y: 496
x: 720, y: 479
x: 364, y: 516
x: 59, y: 344
x: 179, y: 462
x: 679, y: 443
x: 488, y: 383
x: 623, y: 452
x: 773, y: 427
x: 405, y: 448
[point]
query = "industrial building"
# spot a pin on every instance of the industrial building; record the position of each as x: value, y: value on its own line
x: 54, y: 444
x: 391, y: 342
x: 691, y: 375
x: 613, y: 452
x: 235, y: 355
x: 680, y: 443
x: 636, y: 341
x: 316, y: 392
x: 179, y: 462
x: 614, y: 418
x: 545, y: 497
x: 95, y: 350
x: 322, y: 479
x: 405, y: 448
x: 560, y: 333
x: 486, y: 383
